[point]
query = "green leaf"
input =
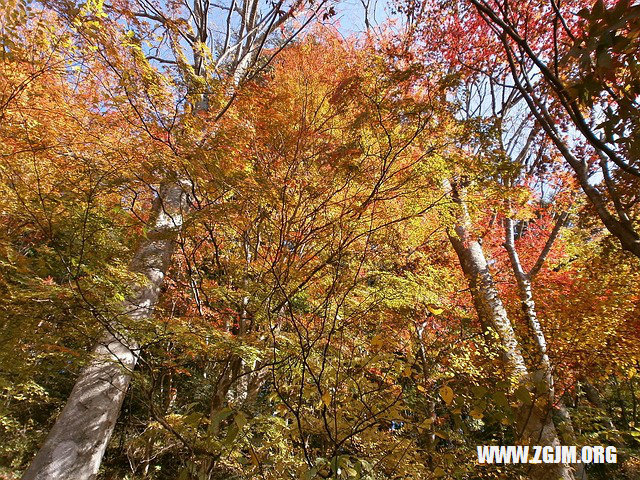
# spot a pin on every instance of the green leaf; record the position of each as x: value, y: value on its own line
x: 500, y: 399
x: 523, y: 394
x: 310, y: 474
x: 241, y: 420
x: 219, y: 417
x: 231, y: 436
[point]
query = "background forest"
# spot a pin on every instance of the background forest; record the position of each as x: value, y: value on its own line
x: 301, y: 239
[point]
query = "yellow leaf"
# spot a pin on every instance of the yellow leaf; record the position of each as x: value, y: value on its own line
x: 378, y: 340
x: 476, y: 413
x: 427, y: 423
x: 447, y: 394
x: 435, y: 310
x: 326, y: 399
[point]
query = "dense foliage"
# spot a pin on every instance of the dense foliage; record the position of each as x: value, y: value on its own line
x: 325, y: 312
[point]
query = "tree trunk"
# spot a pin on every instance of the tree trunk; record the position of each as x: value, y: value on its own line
x: 543, y: 372
x: 74, y: 448
x: 534, y: 421
x: 567, y: 435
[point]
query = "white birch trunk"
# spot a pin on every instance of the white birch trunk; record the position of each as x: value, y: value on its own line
x: 543, y: 373
x: 74, y: 448
x: 534, y: 423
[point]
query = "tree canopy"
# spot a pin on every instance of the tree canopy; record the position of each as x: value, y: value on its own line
x: 237, y: 243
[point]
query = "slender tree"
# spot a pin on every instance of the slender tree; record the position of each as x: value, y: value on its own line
x: 76, y: 443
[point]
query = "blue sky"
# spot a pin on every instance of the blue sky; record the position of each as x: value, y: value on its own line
x: 350, y: 15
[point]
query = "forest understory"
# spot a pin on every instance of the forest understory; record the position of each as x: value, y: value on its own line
x: 313, y: 239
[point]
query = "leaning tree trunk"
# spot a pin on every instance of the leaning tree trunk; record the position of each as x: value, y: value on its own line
x: 534, y: 423
x: 74, y: 448
x: 542, y: 369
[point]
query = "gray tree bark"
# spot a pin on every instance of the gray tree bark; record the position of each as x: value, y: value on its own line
x: 543, y: 371
x: 74, y: 448
x: 534, y: 423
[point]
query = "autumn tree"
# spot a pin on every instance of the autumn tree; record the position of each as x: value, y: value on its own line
x: 573, y: 65
x: 82, y: 433
x: 236, y: 245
